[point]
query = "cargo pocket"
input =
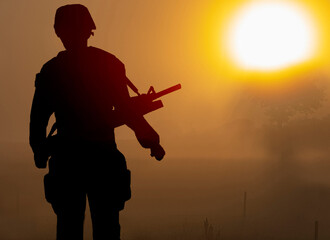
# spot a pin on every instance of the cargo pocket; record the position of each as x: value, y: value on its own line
x: 123, y: 188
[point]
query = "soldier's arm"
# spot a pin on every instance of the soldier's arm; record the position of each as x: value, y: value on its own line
x: 40, y: 114
x: 145, y: 134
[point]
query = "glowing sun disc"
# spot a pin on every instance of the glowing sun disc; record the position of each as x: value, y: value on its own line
x: 271, y: 35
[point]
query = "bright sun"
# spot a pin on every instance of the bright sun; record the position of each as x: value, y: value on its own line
x: 270, y: 36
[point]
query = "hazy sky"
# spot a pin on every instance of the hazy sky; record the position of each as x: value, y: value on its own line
x: 162, y: 43
x: 279, y: 135
x: 157, y: 40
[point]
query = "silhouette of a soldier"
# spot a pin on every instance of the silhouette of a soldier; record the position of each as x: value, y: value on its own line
x: 86, y: 89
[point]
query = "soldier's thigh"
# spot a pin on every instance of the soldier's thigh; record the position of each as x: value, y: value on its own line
x: 65, y: 194
x: 105, y: 217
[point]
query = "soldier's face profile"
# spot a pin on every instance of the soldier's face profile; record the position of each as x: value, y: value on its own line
x: 72, y: 40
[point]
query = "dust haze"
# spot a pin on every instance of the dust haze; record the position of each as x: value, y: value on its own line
x: 223, y: 139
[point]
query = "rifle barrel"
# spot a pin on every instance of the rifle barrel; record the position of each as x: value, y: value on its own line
x: 166, y: 91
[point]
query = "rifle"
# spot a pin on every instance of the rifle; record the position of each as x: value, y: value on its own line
x: 142, y: 103
x: 145, y: 103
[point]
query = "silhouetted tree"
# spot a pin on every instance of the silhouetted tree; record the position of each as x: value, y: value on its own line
x: 304, y: 99
x: 281, y: 105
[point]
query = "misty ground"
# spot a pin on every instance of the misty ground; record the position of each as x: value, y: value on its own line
x: 172, y: 199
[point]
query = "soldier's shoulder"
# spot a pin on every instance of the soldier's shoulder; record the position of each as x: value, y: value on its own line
x: 53, y: 64
x: 49, y: 64
x: 105, y: 56
x: 46, y: 72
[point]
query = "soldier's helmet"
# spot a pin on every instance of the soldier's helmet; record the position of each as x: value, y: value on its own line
x: 73, y: 19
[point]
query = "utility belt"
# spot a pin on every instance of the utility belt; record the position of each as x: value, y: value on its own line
x: 57, y: 143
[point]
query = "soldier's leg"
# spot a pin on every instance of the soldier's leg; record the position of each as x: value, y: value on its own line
x: 104, y: 192
x: 70, y: 217
x: 69, y: 202
x: 105, y: 217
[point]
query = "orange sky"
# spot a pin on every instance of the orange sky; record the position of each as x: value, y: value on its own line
x: 219, y: 131
x: 162, y: 43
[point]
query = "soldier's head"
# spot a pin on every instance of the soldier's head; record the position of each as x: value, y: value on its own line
x: 73, y: 25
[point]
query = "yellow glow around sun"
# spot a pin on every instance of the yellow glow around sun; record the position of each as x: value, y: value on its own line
x: 270, y: 36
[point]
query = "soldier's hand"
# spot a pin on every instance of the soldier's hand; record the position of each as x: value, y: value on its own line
x: 40, y: 160
x: 158, y: 152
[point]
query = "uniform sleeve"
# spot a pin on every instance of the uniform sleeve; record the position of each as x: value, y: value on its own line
x: 41, y: 111
x: 144, y: 133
